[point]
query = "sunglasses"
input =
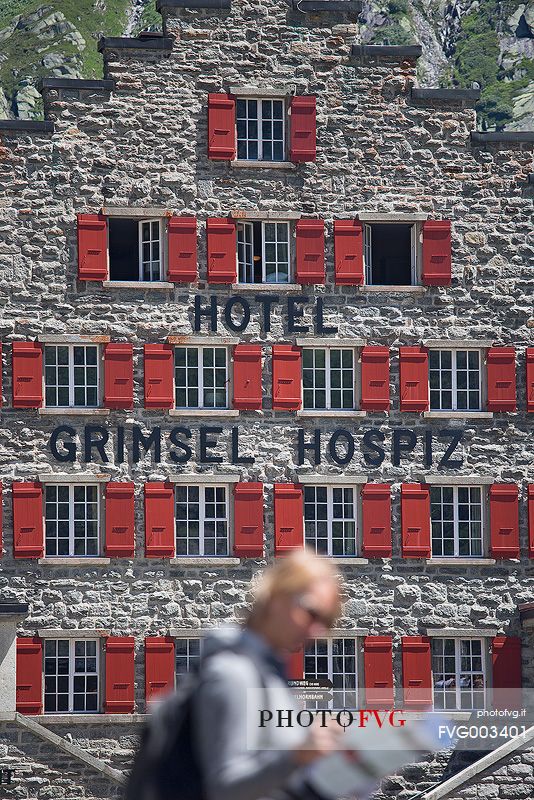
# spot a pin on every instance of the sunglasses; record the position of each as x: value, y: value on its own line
x: 326, y: 620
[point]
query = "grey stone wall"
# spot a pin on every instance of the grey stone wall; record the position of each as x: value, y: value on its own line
x: 144, y: 144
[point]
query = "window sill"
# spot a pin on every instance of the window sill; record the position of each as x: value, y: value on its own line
x: 85, y: 719
x: 205, y: 561
x: 267, y: 287
x: 239, y: 163
x: 333, y: 413
x: 81, y: 412
x: 204, y: 412
x: 138, y: 285
x: 73, y: 561
x: 453, y: 561
x: 347, y: 560
x: 458, y: 414
x: 394, y: 289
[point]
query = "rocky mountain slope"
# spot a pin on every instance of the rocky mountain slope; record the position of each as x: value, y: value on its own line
x: 489, y: 43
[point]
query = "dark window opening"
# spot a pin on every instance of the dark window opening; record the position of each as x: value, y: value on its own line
x: 123, y: 250
x: 134, y: 250
x: 389, y: 254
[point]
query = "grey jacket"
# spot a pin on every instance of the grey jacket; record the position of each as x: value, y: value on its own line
x: 238, y: 758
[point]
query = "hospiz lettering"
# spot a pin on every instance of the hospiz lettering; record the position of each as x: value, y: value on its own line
x: 213, y: 444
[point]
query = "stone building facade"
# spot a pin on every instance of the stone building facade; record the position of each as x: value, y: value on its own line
x: 171, y: 422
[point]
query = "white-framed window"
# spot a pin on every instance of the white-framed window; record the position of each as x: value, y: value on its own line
x: 329, y: 378
x: 201, y: 377
x: 187, y: 651
x: 455, y: 380
x: 391, y: 253
x: 456, y: 514
x: 202, y: 520
x: 72, y: 519
x: 260, y: 129
x: 330, y: 519
x: 71, y: 675
x: 71, y: 375
x: 136, y: 249
x: 459, y: 673
x: 263, y: 252
x: 334, y: 659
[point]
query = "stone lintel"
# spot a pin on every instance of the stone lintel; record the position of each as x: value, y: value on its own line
x: 526, y: 614
x: 280, y: 216
x: 392, y: 216
x: 331, y: 480
x: 215, y: 478
x: 138, y: 212
x: 348, y: 633
x: 190, y: 632
x: 72, y: 633
x: 273, y: 90
x: 205, y: 562
x: 327, y: 6
x: 27, y: 125
x: 124, y: 43
x: 505, y: 137
x: 76, y: 83
x: 446, y: 95
x: 212, y: 341
x: 457, y: 480
x: 73, y: 338
x: 210, y: 4
x: 74, y: 477
x: 458, y: 344
x: 364, y: 52
x: 455, y: 632
x: 317, y: 342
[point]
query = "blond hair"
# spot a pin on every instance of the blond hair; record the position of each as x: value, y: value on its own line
x: 292, y: 575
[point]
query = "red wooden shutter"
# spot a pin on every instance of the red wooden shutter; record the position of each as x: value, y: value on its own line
x: 182, y: 249
x: 500, y: 365
x: 378, y: 670
x: 295, y: 665
x: 27, y: 365
x: 414, y: 395
x: 504, y: 520
x: 120, y: 520
x: 303, y: 134
x: 222, y: 250
x: 437, y: 252
x: 288, y: 518
x: 506, y: 672
x: 92, y: 247
x: 416, y: 671
x: 415, y: 514
x: 348, y: 252
x: 248, y: 520
x: 29, y: 692
x: 287, y: 377
x: 531, y: 520
x: 247, y: 376
x: 221, y: 127
x: 376, y: 520
x: 375, y: 378
x: 119, y: 675
x: 159, y: 666
x: 118, y: 375
x: 159, y: 520
x: 310, y: 251
x: 159, y: 376
x: 28, y: 538
x: 530, y: 379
